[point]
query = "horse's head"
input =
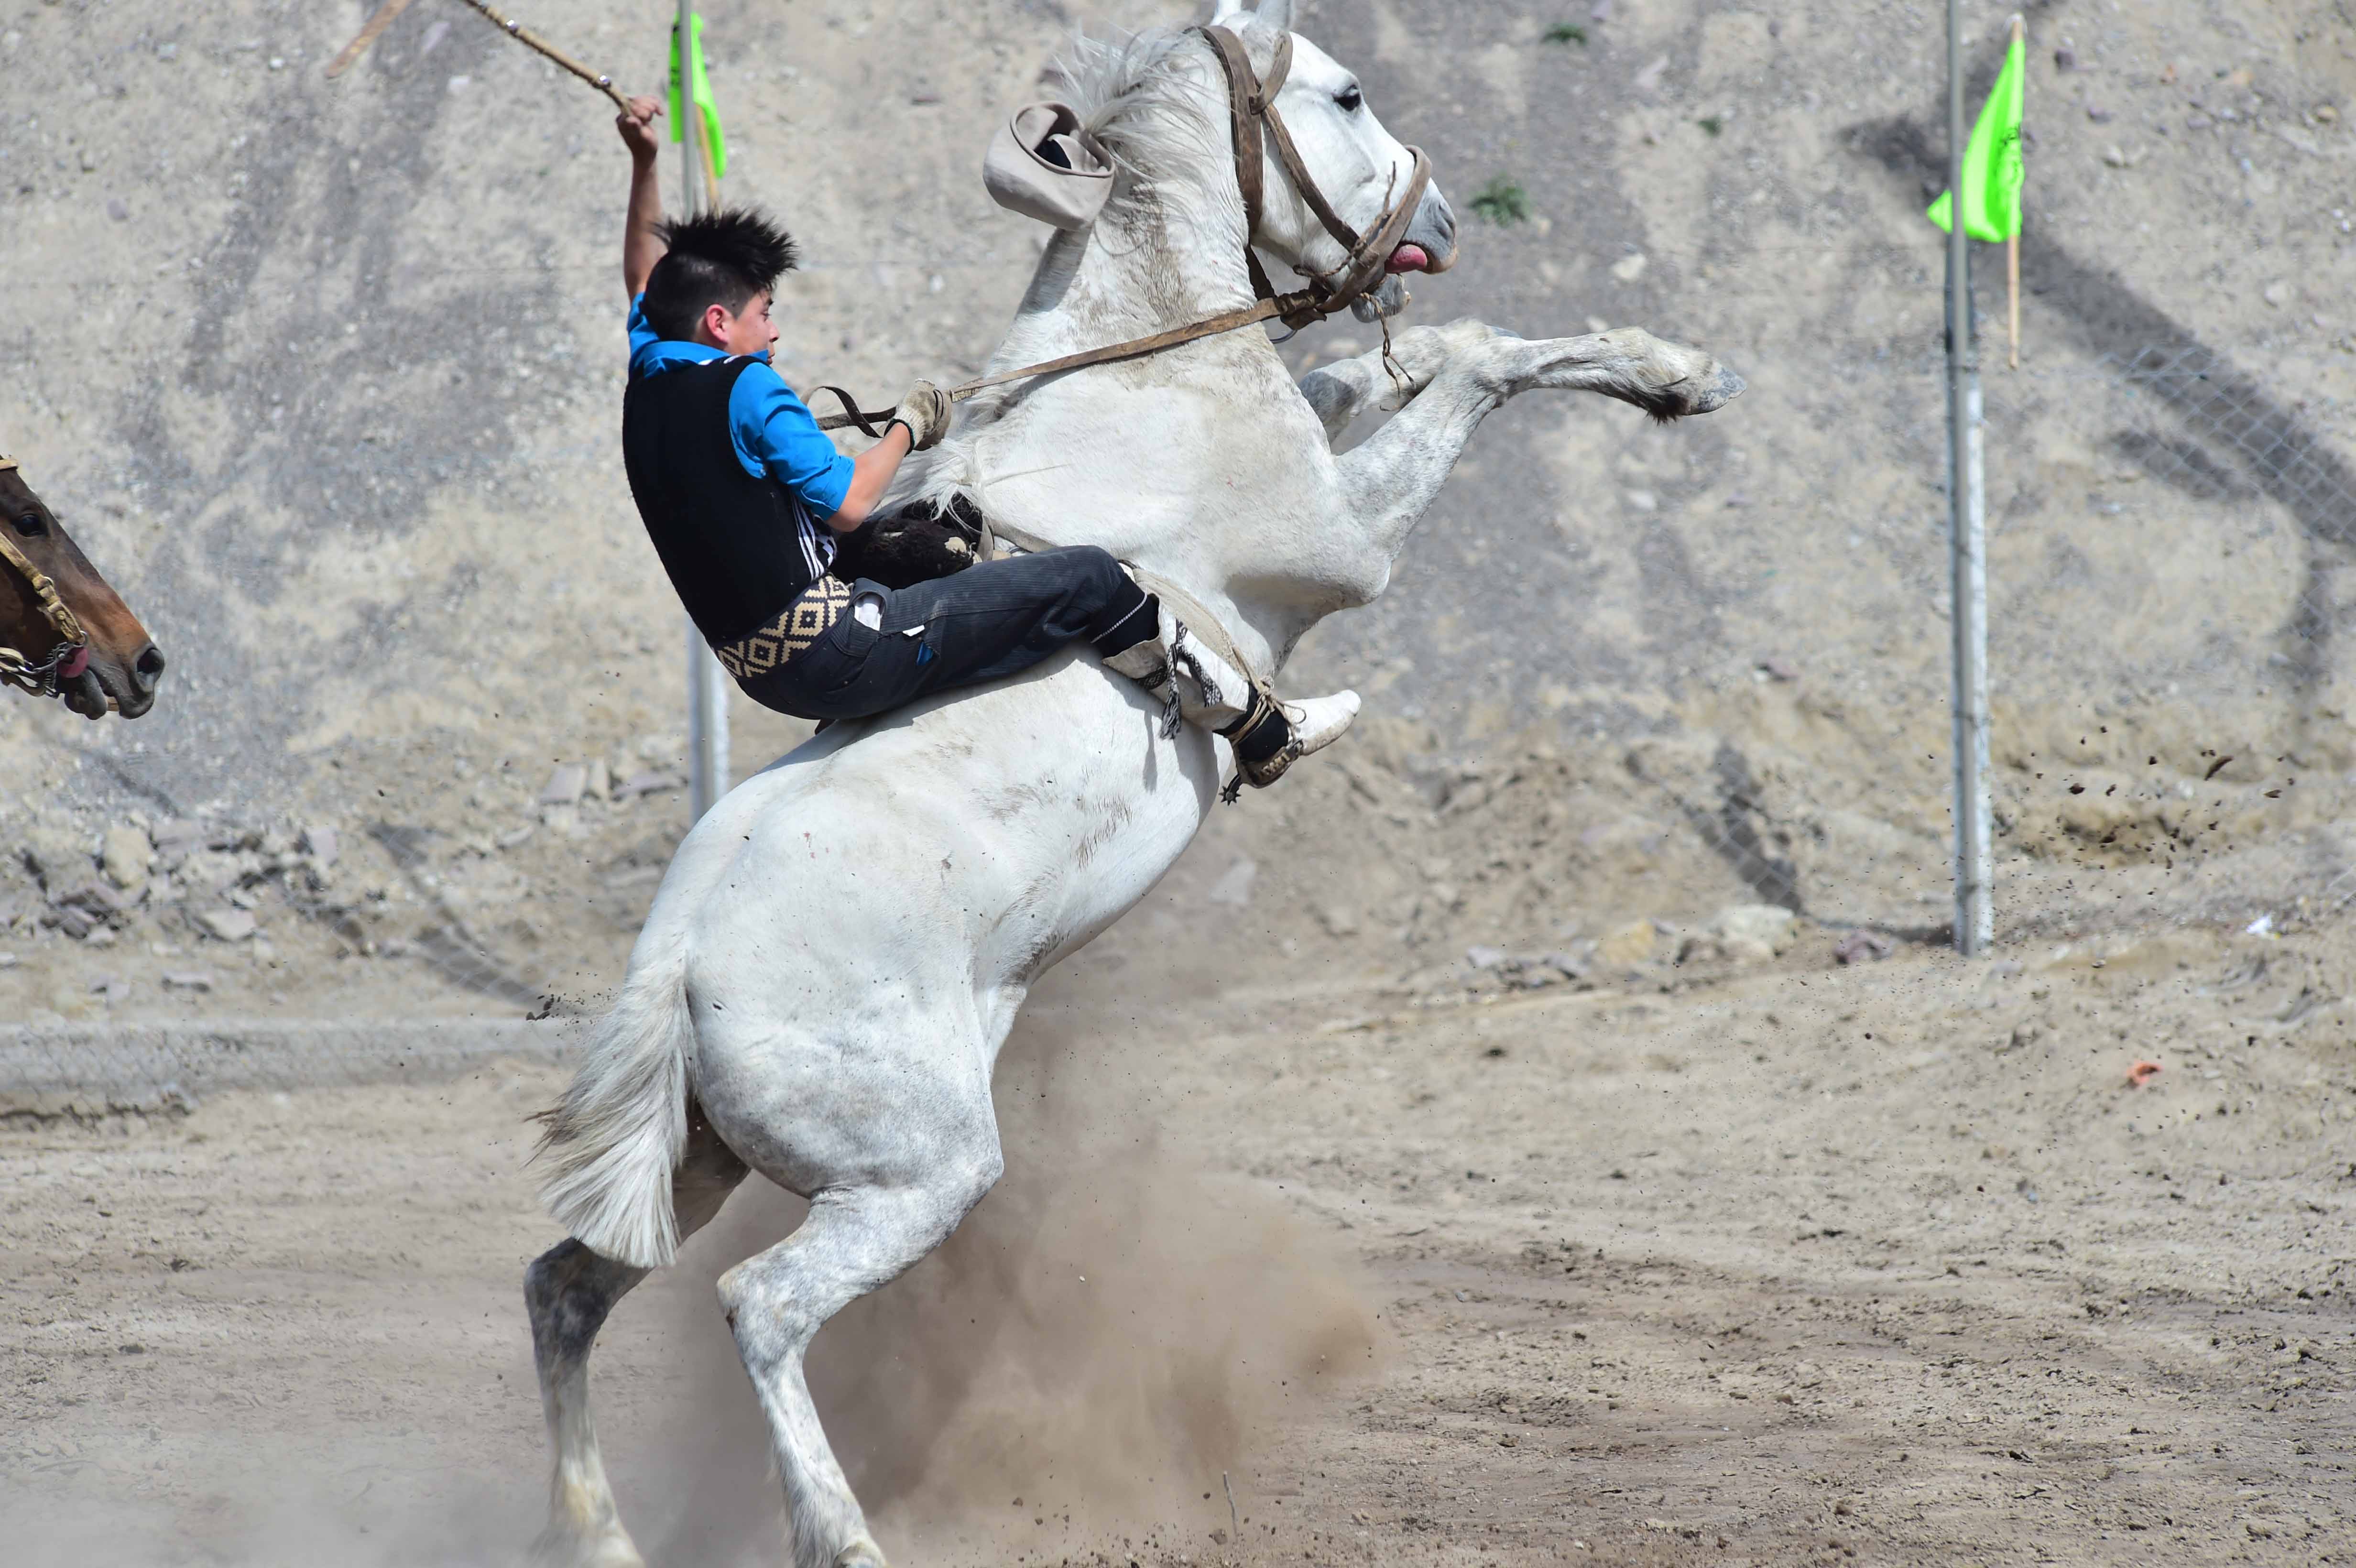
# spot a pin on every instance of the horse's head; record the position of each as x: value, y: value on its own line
x: 1361, y: 169
x: 52, y: 599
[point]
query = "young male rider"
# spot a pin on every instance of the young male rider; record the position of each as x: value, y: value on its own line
x: 744, y: 496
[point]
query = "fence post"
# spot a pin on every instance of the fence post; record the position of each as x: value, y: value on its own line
x: 707, y: 683
x: 1967, y: 543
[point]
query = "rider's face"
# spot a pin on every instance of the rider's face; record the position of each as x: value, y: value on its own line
x: 748, y: 331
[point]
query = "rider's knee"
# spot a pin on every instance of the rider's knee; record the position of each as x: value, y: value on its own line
x: 1094, y: 562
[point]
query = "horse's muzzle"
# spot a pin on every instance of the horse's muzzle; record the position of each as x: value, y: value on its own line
x: 1431, y: 234
x: 94, y: 687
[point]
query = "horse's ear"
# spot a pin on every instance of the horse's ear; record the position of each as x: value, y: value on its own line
x: 1275, y: 13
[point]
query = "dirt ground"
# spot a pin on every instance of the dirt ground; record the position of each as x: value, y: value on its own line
x: 1676, y: 1259
x: 1802, y: 1264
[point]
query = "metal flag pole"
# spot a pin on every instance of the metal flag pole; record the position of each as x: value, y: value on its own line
x: 707, y: 683
x: 1966, y: 530
x: 2012, y: 249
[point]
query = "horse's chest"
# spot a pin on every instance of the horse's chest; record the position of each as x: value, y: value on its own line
x: 1160, y: 464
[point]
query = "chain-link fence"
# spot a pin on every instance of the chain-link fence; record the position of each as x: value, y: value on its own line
x: 2166, y: 541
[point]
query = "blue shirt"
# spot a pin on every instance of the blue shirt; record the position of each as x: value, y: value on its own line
x: 772, y: 430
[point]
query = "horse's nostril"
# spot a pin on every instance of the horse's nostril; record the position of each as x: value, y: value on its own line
x: 149, y: 665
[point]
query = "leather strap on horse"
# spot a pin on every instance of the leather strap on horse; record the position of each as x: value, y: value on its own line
x: 1195, y: 621
x: 872, y: 421
x: 16, y: 668
x: 872, y: 425
x: 1200, y: 622
x: 1251, y: 102
x: 1248, y: 99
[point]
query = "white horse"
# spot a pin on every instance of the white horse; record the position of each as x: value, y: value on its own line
x: 840, y: 945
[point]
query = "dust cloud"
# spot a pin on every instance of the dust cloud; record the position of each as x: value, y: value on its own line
x: 1110, y: 1331
x: 1112, y: 1328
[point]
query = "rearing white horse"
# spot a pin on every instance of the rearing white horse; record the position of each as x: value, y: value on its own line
x: 840, y: 945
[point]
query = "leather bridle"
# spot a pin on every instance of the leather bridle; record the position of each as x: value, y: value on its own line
x: 1251, y: 101
x: 18, y: 668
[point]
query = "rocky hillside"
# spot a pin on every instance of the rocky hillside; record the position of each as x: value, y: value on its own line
x: 326, y: 377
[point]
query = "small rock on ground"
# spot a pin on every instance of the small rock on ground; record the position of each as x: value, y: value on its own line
x: 229, y: 924
x: 126, y: 855
x: 566, y: 785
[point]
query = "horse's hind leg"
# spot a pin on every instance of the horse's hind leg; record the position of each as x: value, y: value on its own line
x: 855, y: 1239
x: 569, y: 1290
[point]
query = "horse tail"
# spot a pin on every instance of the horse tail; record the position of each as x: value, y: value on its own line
x: 615, y: 1138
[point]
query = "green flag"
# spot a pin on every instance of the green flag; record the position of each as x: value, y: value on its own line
x: 1993, y: 170
x: 701, y: 86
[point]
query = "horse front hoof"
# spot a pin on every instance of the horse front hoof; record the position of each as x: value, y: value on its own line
x: 860, y: 1554
x: 1721, y: 393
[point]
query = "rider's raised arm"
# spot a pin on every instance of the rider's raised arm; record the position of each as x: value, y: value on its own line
x: 641, y: 246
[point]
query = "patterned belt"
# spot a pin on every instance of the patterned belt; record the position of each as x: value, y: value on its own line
x: 805, y: 621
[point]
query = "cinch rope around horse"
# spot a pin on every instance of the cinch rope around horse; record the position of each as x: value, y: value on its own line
x: 16, y: 668
x: 1195, y: 620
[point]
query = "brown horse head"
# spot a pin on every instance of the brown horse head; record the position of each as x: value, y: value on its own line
x: 95, y: 656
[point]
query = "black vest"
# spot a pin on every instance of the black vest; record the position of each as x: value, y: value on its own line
x: 738, y: 548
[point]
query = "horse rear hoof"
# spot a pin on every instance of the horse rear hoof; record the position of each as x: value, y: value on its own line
x: 861, y: 1554
x: 610, y: 1548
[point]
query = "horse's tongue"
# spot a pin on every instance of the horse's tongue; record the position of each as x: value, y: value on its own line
x: 73, y: 665
x: 1410, y: 258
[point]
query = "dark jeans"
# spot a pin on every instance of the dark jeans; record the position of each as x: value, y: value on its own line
x: 988, y: 620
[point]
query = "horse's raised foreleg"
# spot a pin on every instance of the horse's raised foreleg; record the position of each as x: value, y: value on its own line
x: 1667, y: 381
x: 1342, y: 391
x: 1390, y: 480
x: 569, y: 1290
x: 856, y: 1240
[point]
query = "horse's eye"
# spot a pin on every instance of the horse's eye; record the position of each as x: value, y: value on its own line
x: 31, y: 525
x: 1350, y: 98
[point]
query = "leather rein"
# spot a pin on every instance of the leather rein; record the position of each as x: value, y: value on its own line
x: 18, y: 668
x: 1251, y: 101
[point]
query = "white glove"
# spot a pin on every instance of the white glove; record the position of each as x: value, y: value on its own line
x: 925, y: 411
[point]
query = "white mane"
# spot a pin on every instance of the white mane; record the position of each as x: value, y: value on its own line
x: 1135, y: 95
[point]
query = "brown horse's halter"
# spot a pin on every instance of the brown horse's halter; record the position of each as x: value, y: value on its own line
x: 1251, y: 101
x: 16, y: 668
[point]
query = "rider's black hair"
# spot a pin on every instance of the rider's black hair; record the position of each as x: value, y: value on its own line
x: 721, y: 258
